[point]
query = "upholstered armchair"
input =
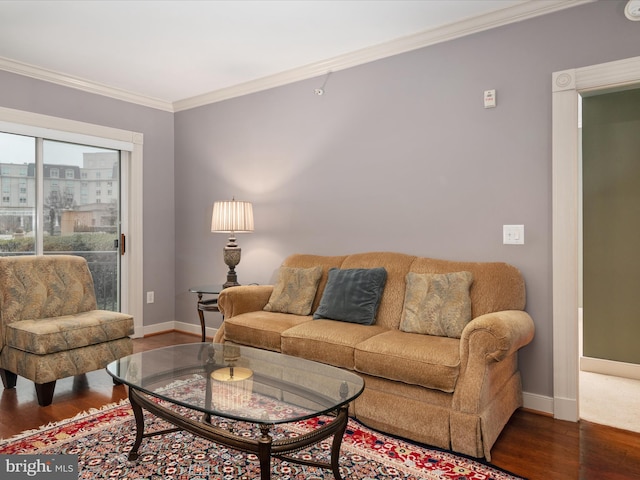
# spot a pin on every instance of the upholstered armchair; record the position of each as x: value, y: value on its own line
x: 50, y: 327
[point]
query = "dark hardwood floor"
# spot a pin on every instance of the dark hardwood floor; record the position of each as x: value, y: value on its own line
x: 531, y: 445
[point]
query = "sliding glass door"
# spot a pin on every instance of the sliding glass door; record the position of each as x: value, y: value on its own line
x: 18, y: 207
x: 63, y: 198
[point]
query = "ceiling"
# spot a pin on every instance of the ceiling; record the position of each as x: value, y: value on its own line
x: 179, y: 54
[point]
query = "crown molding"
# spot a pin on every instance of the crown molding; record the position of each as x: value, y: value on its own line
x: 78, y: 83
x: 527, y: 9
x: 523, y: 11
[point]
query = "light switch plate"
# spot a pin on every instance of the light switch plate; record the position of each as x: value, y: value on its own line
x: 513, y: 234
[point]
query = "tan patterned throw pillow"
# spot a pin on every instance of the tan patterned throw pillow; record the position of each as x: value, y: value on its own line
x: 437, y: 304
x: 295, y: 290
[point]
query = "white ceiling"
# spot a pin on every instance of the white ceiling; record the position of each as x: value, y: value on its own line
x: 167, y: 52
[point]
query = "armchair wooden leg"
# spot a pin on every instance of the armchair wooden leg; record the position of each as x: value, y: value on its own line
x: 45, y: 393
x: 9, y: 379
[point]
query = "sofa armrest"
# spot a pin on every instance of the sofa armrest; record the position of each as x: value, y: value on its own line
x: 495, y: 336
x: 234, y: 301
x: 487, y: 356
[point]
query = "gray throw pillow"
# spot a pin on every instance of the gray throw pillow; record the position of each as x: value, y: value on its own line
x: 352, y: 295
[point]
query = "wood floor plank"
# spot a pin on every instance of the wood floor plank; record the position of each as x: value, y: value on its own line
x: 534, y: 446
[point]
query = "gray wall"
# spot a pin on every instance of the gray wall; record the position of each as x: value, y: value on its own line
x: 398, y: 155
x: 611, y: 233
x: 36, y: 96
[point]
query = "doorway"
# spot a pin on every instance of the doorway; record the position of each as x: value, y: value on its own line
x: 610, y: 181
x: 566, y: 86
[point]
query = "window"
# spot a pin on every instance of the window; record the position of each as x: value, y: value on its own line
x: 26, y: 126
x: 68, y: 225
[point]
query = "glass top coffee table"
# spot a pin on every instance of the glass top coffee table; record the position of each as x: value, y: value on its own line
x: 193, y: 386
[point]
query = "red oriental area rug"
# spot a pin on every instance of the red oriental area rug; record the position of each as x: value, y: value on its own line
x: 102, y: 440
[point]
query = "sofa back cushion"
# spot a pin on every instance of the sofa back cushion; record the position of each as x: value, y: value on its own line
x: 43, y: 286
x: 496, y: 286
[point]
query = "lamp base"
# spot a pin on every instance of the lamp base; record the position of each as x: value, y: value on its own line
x: 231, y: 258
x: 232, y: 279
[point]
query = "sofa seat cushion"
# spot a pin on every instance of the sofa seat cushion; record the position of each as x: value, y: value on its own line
x: 425, y: 360
x: 57, y: 334
x: 261, y: 329
x: 327, y: 341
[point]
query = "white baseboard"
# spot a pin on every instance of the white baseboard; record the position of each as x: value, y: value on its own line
x: 566, y: 409
x: 180, y: 327
x: 539, y: 403
x: 609, y: 367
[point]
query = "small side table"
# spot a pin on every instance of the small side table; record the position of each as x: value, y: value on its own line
x: 206, y: 305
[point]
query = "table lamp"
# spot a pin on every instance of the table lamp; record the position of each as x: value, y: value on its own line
x: 232, y: 217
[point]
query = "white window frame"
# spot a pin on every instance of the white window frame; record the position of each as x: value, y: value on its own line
x: 131, y: 145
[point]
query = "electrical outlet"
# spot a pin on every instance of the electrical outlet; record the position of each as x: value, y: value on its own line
x: 150, y: 297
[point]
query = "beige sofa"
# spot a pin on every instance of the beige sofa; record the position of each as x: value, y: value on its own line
x: 453, y: 393
x: 50, y: 327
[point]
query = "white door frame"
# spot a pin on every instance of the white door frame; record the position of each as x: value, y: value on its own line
x: 566, y: 85
x: 27, y: 123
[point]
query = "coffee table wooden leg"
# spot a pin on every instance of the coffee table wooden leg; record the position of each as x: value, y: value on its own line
x: 343, y: 418
x: 264, y: 452
x: 139, y: 416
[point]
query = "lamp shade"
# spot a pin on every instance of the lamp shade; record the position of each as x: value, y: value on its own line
x: 232, y: 216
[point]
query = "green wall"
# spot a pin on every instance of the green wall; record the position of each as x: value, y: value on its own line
x: 611, y: 219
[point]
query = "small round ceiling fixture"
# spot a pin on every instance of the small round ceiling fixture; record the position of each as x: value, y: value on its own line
x: 632, y: 10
